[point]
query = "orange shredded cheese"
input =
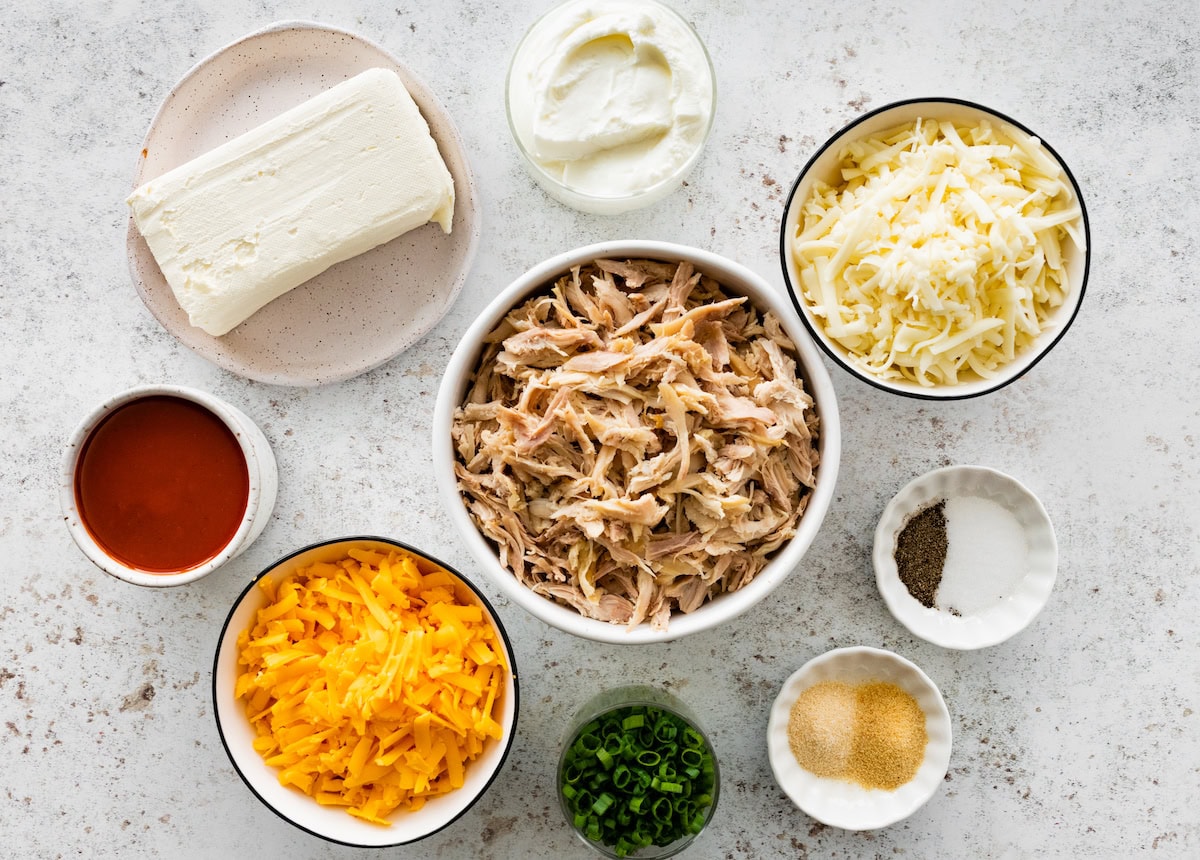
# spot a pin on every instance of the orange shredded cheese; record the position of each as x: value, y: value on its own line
x: 371, y: 682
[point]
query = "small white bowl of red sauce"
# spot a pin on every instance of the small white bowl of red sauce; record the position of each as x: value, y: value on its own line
x: 162, y: 484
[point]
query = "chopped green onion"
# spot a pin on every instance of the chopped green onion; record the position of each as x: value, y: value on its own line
x: 649, y: 758
x: 643, y: 781
x: 635, y: 777
x: 587, y: 743
x: 572, y: 773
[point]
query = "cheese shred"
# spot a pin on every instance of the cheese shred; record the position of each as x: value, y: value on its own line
x: 940, y: 253
x: 371, y: 682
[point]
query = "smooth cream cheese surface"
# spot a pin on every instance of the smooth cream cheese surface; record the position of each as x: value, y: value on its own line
x: 611, y: 97
x: 345, y: 171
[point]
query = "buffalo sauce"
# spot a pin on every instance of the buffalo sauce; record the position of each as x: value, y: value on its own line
x: 161, y: 484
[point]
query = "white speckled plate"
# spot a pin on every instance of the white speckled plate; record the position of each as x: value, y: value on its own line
x: 846, y: 804
x: 358, y: 314
x: 1000, y: 621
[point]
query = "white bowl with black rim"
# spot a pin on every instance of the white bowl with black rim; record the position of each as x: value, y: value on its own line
x: 825, y: 167
x: 299, y: 809
x: 737, y: 280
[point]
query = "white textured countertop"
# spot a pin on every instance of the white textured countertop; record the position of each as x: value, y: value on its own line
x: 1078, y: 738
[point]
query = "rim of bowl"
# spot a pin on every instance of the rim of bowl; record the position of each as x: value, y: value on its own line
x: 510, y: 735
x: 727, y: 606
x: 779, y: 752
x: 883, y: 385
x: 70, y: 510
x: 936, y: 626
x: 649, y: 192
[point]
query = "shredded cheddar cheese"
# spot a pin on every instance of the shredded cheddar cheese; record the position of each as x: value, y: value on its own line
x: 371, y: 682
x: 940, y: 252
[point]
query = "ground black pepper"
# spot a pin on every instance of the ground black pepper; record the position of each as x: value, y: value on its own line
x: 921, y: 552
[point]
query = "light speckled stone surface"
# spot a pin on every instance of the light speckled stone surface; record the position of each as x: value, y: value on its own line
x: 1078, y: 738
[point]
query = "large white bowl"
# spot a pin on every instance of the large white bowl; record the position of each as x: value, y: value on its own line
x: 844, y: 804
x: 292, y: 805
x: 825, y: 165
x: 737, y: 279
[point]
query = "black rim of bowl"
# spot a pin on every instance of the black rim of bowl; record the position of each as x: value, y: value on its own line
x: 818, y: 337
x: 510, y: 654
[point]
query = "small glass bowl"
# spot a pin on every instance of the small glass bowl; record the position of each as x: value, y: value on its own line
x: 619, y: 699
x: 555, y: 186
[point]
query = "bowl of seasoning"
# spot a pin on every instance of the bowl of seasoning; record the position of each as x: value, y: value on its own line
x: 160, y: 485
x: 637, y: 776
x: 965, y: 556
x: 859, y: 738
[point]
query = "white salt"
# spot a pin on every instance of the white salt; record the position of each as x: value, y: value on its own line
x: 986, y: 555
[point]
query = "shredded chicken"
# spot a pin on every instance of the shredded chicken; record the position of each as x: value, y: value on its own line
x: 636, y: 441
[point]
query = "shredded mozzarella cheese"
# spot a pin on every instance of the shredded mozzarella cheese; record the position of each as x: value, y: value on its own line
x: 940, y: 253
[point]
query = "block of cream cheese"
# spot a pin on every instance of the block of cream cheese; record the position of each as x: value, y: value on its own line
x: 345, y: 171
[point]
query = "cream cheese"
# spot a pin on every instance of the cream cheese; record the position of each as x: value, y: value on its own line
x: 610, y: 98
x: 345, y: 171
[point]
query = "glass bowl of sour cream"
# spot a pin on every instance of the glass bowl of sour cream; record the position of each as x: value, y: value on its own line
x: 610, y: 103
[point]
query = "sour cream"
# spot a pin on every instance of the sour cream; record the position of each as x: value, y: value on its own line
x: 610, y: 102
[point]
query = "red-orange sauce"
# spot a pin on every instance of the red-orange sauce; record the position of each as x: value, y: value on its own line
x: 161, y: 484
